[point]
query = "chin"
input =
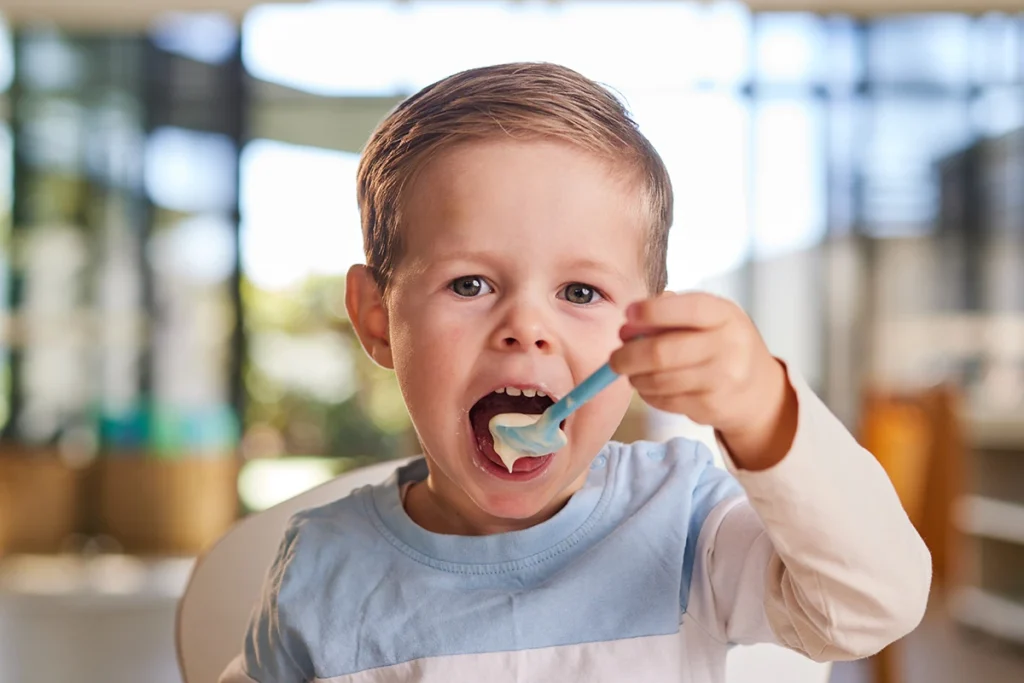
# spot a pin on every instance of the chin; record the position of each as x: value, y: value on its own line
x: 519, y: 507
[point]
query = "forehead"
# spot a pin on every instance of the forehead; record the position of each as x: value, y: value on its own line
x: 525, y: 195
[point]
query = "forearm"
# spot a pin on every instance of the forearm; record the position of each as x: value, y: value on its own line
x: 849, y: 573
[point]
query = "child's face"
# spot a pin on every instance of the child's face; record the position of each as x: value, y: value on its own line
x: 519, y: 261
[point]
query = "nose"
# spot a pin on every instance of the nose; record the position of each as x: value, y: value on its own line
x: 524, y: 327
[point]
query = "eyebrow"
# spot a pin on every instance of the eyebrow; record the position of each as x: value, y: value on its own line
x: 484, y: 257
x: 592, y: 264
x: 453, y: 256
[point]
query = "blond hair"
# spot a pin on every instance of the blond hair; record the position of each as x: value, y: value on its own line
x: 524, y: 101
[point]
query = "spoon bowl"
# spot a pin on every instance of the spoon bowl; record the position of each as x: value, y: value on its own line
x: 545, y: 435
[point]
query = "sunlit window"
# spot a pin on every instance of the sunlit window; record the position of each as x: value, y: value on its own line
x: 299, y: 213
x: 789, y: 167
x: 664, y: 57
x: 703, y: 138
x: 204, y: 37
x: 190, y: 170
x: 199, y: 249
x: 998, y: 110
x: 789, y: 48
x: 724, y: 36
x: 933, y: 48
x: 649, y: 44
x: 330, y: 48
x: 995, y: 49
x: 776, y: 128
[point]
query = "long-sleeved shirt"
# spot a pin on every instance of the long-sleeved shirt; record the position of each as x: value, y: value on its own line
x: 649, y: 573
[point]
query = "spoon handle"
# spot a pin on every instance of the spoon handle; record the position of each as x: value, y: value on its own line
x: 583, y: 392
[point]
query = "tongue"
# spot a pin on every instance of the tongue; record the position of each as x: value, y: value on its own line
x: 485, y: 440
x: 527, y: 464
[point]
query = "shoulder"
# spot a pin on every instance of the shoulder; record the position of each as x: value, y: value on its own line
x: 286, y: 625
x: 680, y: 469
x: 322, y: 546
x: 680, y: 460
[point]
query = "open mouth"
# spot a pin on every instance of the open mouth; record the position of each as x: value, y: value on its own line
x: 527, y: 402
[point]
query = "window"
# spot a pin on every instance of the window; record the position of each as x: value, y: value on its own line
x: 299, y: 214
x: 789, y: 189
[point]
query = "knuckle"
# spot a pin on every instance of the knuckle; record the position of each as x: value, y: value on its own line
x: 735, y: 372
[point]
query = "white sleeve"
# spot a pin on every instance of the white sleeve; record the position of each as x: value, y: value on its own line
x: 820, y: 557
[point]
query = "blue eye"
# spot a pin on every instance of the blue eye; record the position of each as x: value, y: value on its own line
x: 470, y: 286
x: 579, y: 293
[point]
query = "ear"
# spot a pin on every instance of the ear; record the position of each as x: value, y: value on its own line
x: 365, y: 305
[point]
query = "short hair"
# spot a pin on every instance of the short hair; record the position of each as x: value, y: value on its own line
x: 525, y: 101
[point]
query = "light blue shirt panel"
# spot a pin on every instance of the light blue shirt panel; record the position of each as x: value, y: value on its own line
x: 358, y: 585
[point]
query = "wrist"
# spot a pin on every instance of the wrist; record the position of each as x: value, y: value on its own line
x: 764, y: 440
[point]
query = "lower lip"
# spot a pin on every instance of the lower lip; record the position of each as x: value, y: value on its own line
x: 485, y: 463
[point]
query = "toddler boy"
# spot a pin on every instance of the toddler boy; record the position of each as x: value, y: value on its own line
x: 515, y: 224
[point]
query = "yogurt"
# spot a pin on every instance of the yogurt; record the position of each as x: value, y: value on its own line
x: 505, y: 451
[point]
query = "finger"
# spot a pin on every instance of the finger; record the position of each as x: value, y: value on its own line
x: 632, y: 331
x: 688, y: 310
x: 692, y: 406
x: 686, y: 382
x: 665, y: 351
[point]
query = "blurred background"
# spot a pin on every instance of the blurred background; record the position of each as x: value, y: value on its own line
x: 177, y: 212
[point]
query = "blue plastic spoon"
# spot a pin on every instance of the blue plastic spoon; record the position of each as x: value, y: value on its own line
x: 545, y: 435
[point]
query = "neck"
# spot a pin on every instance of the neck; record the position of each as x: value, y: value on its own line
x: 435, y: 513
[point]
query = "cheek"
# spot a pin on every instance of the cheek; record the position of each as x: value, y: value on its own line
x: 602, y: 415
x: 619, y: 397
x: 427, y: 347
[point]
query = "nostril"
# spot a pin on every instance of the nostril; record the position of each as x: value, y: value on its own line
x: 509, y: 341
x: 540, y: 343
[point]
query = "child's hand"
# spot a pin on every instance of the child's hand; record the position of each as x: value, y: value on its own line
x: 701, y: 356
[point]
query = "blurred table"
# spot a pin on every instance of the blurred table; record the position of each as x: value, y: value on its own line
x: 101, y: 619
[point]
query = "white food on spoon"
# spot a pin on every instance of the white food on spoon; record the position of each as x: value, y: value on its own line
x: 507, y: 453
